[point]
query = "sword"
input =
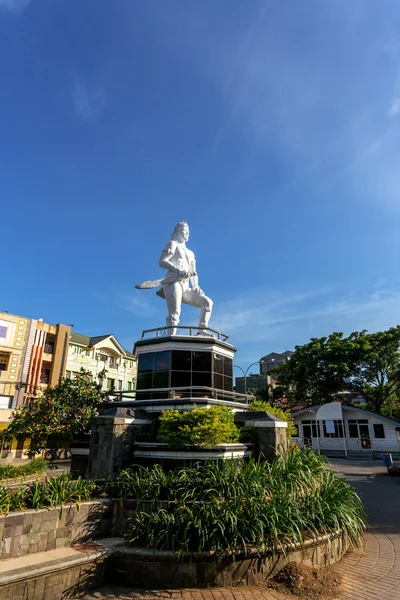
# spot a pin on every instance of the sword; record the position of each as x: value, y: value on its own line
x: 170, y: 278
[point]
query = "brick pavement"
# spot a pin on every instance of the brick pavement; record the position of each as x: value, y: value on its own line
x: 372, y: 573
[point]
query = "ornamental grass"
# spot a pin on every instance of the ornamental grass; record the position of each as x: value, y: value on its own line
x: 53, y: 492
x: 34, y: 467
x: 230, y: 508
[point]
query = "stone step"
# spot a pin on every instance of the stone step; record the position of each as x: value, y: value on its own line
x: 47, y: 575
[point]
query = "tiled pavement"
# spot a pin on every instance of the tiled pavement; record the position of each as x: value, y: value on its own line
x: 369, y: 574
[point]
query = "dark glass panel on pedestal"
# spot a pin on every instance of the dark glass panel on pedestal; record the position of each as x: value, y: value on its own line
x: 201, y: 379
x: 228, y: 384
x: 218, y: 381
x: 162, y: 360
x: 228, y: 366
x: 144, y: 381
x: 160, y: 379
x: 146, y: 362
x: 201, y: 361
x: 181, y: 360
x: 180, y: 379
x: 218, y: 364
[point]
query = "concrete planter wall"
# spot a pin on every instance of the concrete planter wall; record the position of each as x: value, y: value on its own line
x: 137, y: 567
x: 31, y: 531
x: 150, y: 453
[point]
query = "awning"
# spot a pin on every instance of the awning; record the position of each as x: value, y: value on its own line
x: 330, y: 412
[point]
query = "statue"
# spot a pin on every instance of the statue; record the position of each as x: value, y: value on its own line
x: 181, y: 266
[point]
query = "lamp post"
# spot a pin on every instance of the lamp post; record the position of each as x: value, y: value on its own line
x: 258, y: 362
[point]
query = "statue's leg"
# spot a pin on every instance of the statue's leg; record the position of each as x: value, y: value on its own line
x: 203, y: 302
x: 173, y: 296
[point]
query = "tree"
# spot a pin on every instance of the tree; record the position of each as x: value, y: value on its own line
x: 366, y: 363
x: 377, y: 372
x: 284, y: 415
x: 60, y: 415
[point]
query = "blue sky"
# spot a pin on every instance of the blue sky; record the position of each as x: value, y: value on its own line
x: 272, y: 127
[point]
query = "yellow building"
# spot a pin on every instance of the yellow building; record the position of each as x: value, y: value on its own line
x: 33, y: 354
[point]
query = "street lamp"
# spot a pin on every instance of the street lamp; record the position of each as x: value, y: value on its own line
x: 258, y: 362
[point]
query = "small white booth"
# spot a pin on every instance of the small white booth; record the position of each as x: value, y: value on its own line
x: 340, y: 430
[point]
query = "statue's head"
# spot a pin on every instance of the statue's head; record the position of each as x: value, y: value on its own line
x: 181, y: 232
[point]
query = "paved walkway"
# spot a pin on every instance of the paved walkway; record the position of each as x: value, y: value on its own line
x: 374, y: 572
x: 369, y: 574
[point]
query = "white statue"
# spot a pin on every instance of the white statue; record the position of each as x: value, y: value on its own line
x: 180, y: 263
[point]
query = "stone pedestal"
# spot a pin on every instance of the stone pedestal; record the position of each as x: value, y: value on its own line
x: 111, y: 441
x: 270, y: 434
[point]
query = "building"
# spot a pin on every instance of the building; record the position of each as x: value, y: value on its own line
x: 360, y: 433
x: 102, y: 354
x: 35, y: 355
x: 32, y: 355
x: 274, y: 359
x: 254, y: 383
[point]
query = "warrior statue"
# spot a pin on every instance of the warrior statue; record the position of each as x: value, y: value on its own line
x: 181, y: 266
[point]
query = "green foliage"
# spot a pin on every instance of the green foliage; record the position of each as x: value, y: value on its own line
x: 61, y: 414
x: 226, y: 507
x: 34, y: 467
x: 280, y: 413
x: 368, y: 364
x: 198, y: 427
x: 53, y: 492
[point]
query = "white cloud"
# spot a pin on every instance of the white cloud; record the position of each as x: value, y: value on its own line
x: 88, y: 102
x: 14, y: 5
x: 394, y: 109
x: 261, y: 321
x: 137, y: 304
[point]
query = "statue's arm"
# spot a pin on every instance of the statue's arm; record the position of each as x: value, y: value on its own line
x: 166, y: 254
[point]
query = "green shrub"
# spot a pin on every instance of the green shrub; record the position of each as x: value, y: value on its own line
x: 227, y: 507
x: 280, y: 413
x: 34, y: 467
x: 198, y: 427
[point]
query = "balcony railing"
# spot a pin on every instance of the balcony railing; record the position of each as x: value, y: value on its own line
x: 179, y: 393
x: 184, y: 330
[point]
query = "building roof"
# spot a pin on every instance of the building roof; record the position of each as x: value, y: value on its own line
x: 275, y: 355
x: 346, y: 409
x: 89, y: 342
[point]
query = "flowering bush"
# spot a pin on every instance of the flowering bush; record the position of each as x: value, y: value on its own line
x: 61, y: 414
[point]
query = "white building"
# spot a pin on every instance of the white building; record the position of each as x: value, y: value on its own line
x: 96, y: 354
x: 359, y: 433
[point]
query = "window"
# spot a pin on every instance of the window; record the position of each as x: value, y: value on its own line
x: 353, y: 429
x: 146, y: 362
x: 311, y: 428
x: 3, y: 331
x: 338, y: 426
x: 129, y: 385
x: 181, y: 360
x: 110, y: 384
x: 160, y: 379
x: 68, y: 374
x: 358, y: 428
x: 201, y: 361
x: 120, y: 384
x: 161, y: 361
x: 3, y: 362
x: 379, y: 430
x: 45, y: 376
x: 112, y: 362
